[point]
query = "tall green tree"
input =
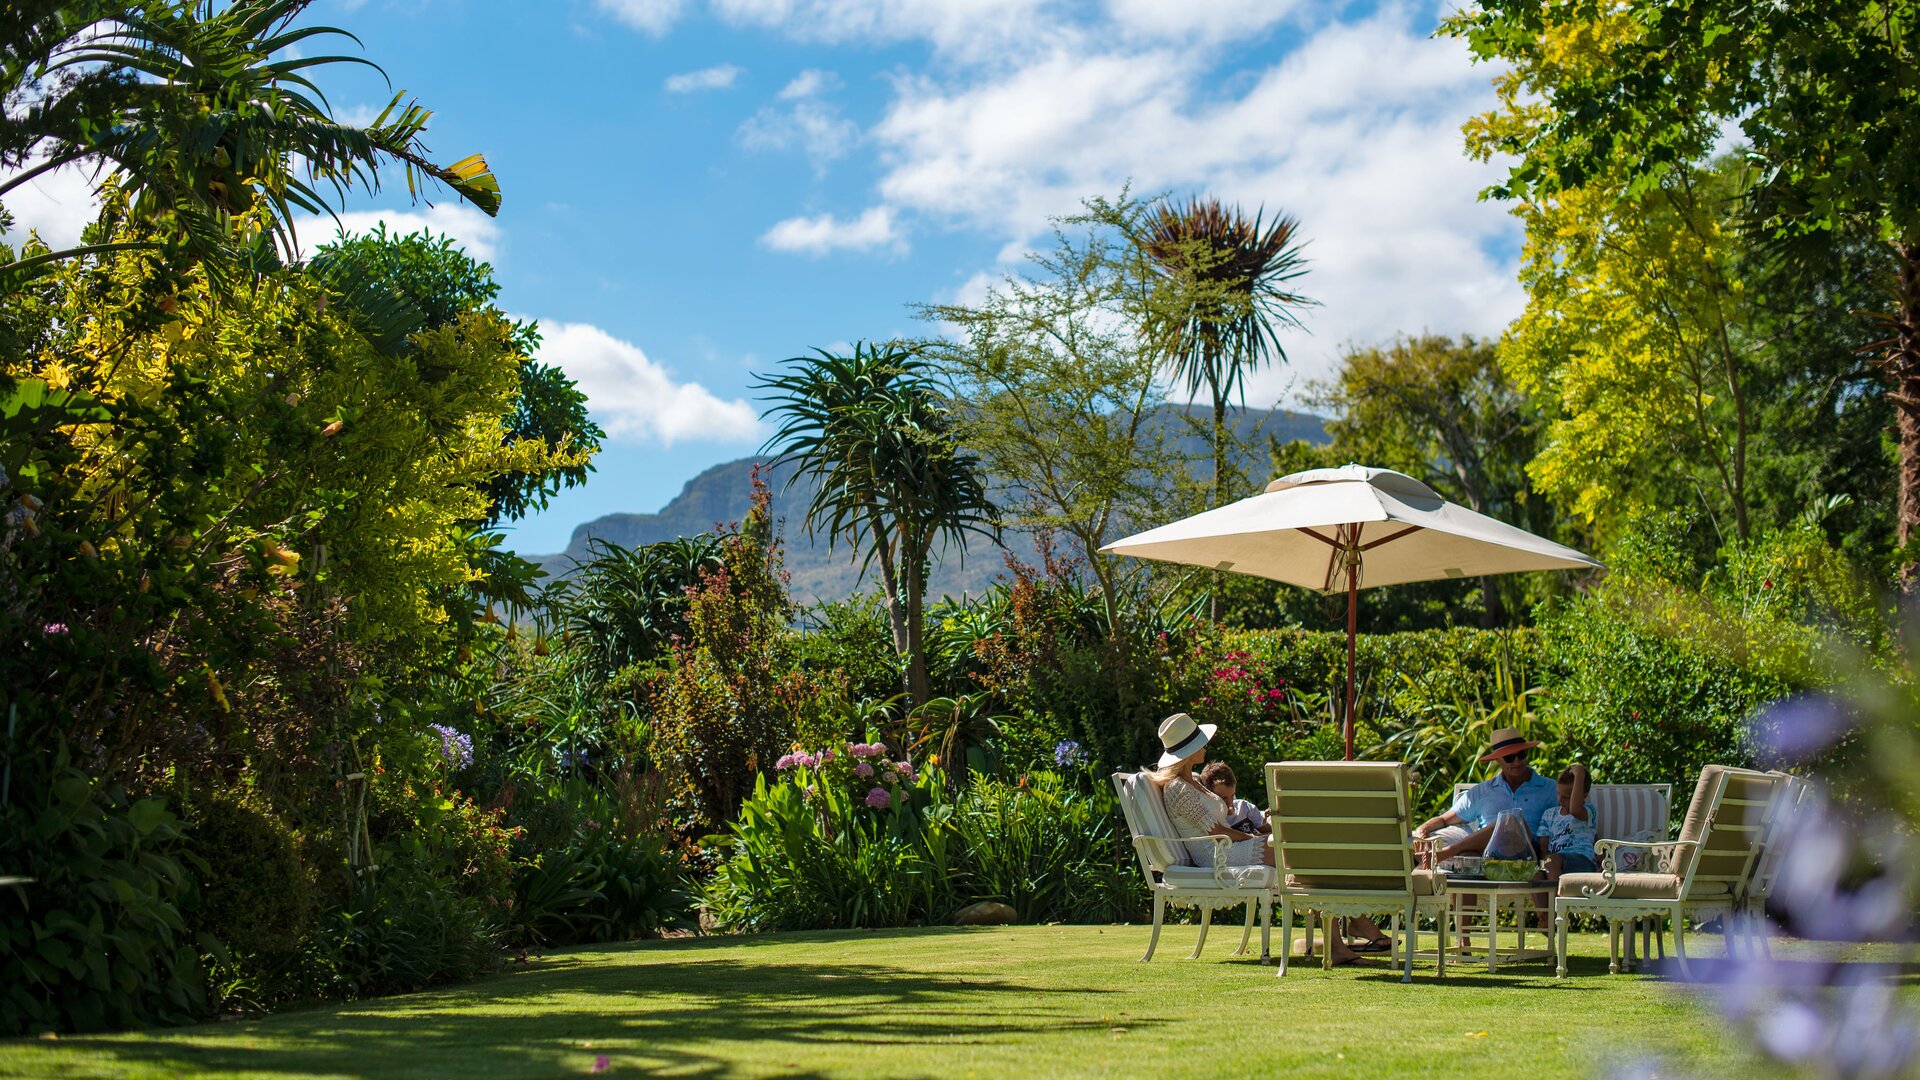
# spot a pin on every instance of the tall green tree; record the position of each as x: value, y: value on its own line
x: 1444, y: 411
x: 1823, y: 95
x: 206, y: 113
x: 398, y: 286
x: 873, y: 430
x: 1062, y: 396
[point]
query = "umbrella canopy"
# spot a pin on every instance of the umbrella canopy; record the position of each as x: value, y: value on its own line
x: 1348, y: 529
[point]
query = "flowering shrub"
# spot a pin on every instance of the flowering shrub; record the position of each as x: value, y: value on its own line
x: 456, y: 748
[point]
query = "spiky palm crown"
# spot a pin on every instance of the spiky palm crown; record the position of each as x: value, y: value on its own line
x: 1233, y: 273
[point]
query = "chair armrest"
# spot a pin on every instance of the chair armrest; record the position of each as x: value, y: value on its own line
x: 1666, y: 850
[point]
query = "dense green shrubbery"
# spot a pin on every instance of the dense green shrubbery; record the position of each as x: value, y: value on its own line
x: 818, y: 846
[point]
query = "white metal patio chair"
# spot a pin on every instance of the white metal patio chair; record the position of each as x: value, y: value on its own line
x: 1340, y: 833
x: 1706, y: 870
x: 1173, y: 879
x: 1797, y: 797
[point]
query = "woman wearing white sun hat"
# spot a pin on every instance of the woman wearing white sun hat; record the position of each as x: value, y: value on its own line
x: 1195, y: 811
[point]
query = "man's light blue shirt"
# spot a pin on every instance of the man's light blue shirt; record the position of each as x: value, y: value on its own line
x: 1481, y: 803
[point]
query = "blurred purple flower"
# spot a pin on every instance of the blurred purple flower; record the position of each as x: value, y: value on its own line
x: 879, y: 799
x: 1068, y: 753
x: 862, y: 770
x: 601, y: 1064
x: 1798, y: 728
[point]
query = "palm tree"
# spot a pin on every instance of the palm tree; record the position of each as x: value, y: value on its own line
x: 872, y: 430
x: 1227, y: 301
x: 202, y: 113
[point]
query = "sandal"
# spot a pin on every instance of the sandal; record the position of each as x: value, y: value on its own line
x: 1354, y: 961
x: 1376, y: 945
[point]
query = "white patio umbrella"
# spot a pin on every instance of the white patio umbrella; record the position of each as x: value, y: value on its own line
x: 1354, y: 528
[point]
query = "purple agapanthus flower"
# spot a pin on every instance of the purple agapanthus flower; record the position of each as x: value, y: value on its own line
x: 1068, y: 753
x: 879, y: 798
x: 455, y: 746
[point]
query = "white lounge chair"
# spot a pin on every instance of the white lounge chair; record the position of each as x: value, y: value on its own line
x: 1340, y: 832
x: 1707, y: 869
x: 1173, y: 879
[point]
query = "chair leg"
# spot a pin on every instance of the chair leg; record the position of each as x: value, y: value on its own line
x: 1758, y: 924
x: 1680, y: 944
x: 1326, y: 948
x: 1266, y: 928
x: 1246, y: 934
x: 1286, y: 933
x: 1613, y: 945
x: 1443, y: 939
x: 1206, y: 921
x: 1559, y: 942
x: 1406, y: 943
x: 1159, y: 916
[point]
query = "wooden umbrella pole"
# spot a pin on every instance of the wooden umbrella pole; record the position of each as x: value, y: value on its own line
x: 1353, y: 625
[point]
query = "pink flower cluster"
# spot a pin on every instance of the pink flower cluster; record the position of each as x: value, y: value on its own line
x: 867, y: 749
x: 879, y: 798
x: 800, y: 759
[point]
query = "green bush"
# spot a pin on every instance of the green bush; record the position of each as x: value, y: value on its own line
x: 256, y: 894
x: 398, y: 930
x: 96, y: 940
x: 809, y: 851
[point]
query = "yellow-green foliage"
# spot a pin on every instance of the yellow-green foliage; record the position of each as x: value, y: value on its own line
x: 338, y: 466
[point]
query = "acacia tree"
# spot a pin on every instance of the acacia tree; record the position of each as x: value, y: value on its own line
x: 1823, y: 95
x: 1061, y: 394
x: 873, y: 430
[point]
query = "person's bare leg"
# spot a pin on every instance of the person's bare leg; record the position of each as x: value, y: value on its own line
x: 1471, y: 844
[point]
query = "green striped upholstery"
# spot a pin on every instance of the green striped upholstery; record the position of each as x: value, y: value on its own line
x: 1341, y: 825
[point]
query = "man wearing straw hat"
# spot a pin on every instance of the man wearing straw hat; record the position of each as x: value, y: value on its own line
x: 1465, y: 828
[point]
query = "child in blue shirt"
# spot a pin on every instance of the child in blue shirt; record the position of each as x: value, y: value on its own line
x: 1566, y: 832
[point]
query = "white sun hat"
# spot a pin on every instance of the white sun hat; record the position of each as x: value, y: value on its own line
x: 1181, y: 738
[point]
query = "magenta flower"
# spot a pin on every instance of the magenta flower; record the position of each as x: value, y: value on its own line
x: 785, y: 763
x: 879, y: 799
x: 905, y: 769
x: 600, y: 1063
x: 54, y: 628
x: 863, y: 770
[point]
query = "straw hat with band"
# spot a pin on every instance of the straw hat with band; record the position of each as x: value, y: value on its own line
x: 1181, y: 738
x: 1506, y: 741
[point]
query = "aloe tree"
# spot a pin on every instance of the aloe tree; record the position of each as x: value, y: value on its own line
x: 1229, y: 279
x: 872, y: 430
x: 205, y: 116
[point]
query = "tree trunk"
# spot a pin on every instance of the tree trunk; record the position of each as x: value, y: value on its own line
x: 1903, y: 371
x: 1219, y: 479
x: 919, y: 687
x: 896, y: 612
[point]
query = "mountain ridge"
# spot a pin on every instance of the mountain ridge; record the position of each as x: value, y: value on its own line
x: 821, y: 570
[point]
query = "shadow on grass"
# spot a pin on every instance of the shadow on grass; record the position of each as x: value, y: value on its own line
x: 667, y: 1015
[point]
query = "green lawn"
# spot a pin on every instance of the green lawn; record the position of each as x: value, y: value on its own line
x: 1015, y: 1001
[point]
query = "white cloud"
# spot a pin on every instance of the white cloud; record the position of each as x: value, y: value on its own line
x: 965, y: 29
x: 814, y: 127
x: 633, y: 397
x: 810, y: 83
x: 1354, y: 130
x: 57, y: 204
x: 473, y: 231
x: 655, y: 17
x: 718, y: 77
x: 874, y: 228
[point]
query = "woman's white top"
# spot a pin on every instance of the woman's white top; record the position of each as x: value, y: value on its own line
x: 1194, y: 811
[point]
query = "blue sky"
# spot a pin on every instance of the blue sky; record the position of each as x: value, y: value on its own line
x: 697, y: 189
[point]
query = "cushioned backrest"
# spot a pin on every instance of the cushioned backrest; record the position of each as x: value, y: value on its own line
x: 1629, y: 811
x: 1147, y: 819
x: 1730, y: 814
x: 1341, y: 824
